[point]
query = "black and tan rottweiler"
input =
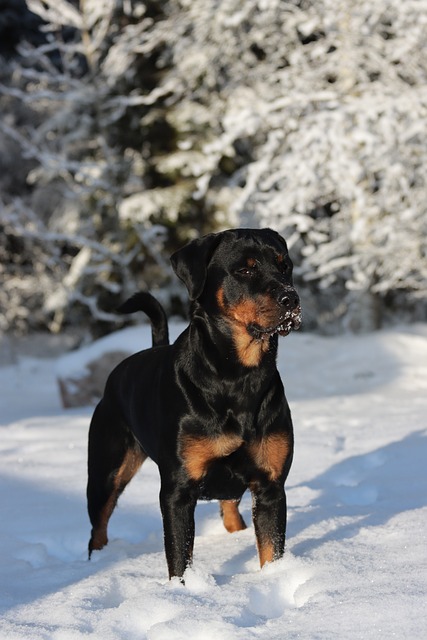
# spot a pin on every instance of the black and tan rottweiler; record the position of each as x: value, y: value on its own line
x: 209, y: 409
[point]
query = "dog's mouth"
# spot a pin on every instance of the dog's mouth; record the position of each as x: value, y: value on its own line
x: 290, y: 321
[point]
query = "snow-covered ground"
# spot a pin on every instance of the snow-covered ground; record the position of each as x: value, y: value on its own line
x: 356, y: 560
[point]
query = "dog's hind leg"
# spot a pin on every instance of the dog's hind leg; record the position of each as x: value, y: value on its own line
x: 231, y: 517
x: 114, y: 458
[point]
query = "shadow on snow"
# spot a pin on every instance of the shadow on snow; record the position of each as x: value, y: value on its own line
x: 370, y: 489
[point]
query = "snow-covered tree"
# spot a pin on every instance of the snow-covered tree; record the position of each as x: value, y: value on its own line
x: 323, y: 113
x: 309, y: 117
x: 96, y: 126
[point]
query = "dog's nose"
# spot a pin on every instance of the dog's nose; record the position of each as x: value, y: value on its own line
x: 288, y: 299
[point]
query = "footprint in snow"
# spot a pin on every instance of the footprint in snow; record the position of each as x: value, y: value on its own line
x: 284, y: 586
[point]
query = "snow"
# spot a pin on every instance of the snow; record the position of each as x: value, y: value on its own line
x: 356, y: 562
x: 127, y: 340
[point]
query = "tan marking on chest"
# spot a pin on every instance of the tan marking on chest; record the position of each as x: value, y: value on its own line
x: 270, y: 453
x: 198, y: 452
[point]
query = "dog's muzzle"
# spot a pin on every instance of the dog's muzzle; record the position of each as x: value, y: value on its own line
x: 288, y: 317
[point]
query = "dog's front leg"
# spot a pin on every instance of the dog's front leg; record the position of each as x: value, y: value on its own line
x: 178, y: 502
x: 269, y: 517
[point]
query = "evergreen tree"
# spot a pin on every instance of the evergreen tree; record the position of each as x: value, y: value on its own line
x: 143, y: 124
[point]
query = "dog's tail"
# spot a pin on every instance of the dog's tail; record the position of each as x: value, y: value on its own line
x: 145, y: 302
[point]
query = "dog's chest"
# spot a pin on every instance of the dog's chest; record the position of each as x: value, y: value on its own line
x: 244, y: 410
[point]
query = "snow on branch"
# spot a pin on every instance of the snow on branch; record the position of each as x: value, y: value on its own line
x: 198, y: 115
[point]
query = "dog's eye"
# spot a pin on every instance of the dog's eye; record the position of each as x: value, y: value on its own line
x: 250, y: 270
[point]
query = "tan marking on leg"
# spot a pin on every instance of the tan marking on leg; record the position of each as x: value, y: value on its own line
x: 264, y: 541
x: 231, y: 517
x: 99, y: 538
x: 198, y: 452
x: 270, y: 453
x: 131, y: 463
x: 265, y: 552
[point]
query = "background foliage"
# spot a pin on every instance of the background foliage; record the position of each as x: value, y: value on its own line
x: 130, y: 127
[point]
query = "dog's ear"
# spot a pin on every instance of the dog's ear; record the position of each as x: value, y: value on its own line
x: 276, y: 236
x: 191, y: 262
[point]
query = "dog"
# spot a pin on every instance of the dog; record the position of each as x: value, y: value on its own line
x: 209, y: 409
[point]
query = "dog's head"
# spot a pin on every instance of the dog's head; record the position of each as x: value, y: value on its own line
x: 244, y: 275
